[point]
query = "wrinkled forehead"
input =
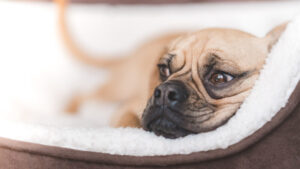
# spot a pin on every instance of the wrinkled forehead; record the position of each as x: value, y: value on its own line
x: 241, y: 49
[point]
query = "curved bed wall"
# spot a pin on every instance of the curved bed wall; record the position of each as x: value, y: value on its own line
x: 275, y: 145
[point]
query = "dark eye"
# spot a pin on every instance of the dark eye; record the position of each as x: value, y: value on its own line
x: 219, y: 78
x: 164, y: 71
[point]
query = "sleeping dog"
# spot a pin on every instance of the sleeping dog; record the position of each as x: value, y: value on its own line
x: 182, y: 83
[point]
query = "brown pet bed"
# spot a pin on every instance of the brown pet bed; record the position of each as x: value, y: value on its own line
x: 270, y: 139
x: 276, y: 145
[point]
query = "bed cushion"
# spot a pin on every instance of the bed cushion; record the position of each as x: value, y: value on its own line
x: 32, y: 139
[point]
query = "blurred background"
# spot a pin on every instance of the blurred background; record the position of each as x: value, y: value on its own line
x: 38, y: 76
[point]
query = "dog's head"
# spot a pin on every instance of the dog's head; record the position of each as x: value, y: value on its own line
x: 203, y: 78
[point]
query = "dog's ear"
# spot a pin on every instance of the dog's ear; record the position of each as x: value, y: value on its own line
x: 273, y: 36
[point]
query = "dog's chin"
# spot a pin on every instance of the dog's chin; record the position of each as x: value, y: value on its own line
x: 159, y: 122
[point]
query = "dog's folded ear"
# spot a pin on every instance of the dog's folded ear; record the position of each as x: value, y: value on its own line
x: 273, y: 36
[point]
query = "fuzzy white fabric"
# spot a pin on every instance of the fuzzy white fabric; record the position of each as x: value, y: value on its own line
x: 23, y: 115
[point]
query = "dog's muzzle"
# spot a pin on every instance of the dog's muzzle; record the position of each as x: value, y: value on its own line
x: 161, y: 115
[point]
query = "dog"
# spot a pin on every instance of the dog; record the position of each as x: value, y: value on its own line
x: 182, y: 83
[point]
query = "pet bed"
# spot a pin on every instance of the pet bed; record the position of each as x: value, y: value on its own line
x: 264, y: 133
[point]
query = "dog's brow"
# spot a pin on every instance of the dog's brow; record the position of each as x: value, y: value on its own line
x: 171, y: 56
x: 213, y: 56
x: 212, y: 60
x: 168, y: 58
x: 215, y: 61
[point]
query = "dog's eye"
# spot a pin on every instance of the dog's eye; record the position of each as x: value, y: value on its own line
x: 219, y: 78
x: 164, y: 71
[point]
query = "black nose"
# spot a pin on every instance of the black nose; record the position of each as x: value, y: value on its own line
x: 170, y: 93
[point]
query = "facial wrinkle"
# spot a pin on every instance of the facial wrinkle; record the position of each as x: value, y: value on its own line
x: 194, y: 69
x: 188, y: 59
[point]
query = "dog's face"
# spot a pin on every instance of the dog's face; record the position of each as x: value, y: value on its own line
x: 202, y: 80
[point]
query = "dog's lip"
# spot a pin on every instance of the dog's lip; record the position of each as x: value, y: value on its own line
x: 159, y: 113
x: 146, y: 124
x: 172, y: 132
x: 165, y: 134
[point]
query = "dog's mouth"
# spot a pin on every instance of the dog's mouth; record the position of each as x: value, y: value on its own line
x: 162, y: 122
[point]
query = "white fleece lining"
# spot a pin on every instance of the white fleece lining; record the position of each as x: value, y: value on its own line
x: 269, y: 94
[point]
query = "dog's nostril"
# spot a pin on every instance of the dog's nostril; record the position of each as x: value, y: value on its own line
x: 172, y: 96
x: 157, y: 93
